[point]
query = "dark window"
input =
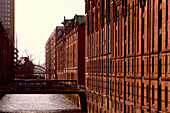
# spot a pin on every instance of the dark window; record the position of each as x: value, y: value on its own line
x: 153, y: 24
x: 96, y: 19
x: 128, y: 65
x: 121, y: 88
x: 92, y: 22
x: 132, y: 66
x: 167, y: 23
x: 166, y: 97
x: 92, y: 4
x: 114, y: 11
x: 108, y: 11
x: 153, y: 94
x: 132, y: 90
x: 137, y: 66
x: 147, y: 93
x: 102, y: 13
x: 118, y: 87
x: 160, y: 15
x: 142, y: 3
x: 88, y: 25
x: 113, y: 86
x: 128, y: 90
x: 152, y: 64
x: 166, y: 60
x: 107, y: 103
x: 137, y: 91
x: 147, y: 65
x: 129, y: 30
x: 124, y: 7
x: 142, y: 21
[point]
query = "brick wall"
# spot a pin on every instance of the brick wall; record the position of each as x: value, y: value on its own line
x: 127, y: 55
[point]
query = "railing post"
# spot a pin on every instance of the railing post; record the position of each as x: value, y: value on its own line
x: 83, y: 101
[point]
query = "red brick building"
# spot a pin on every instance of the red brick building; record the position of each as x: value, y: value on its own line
x: 127, y: 55
x: 50, y: 54
x: 6, y: 56
x: 70, y: 50
x: 74, y: 49
x: 60, y: 56
x: 25, y: 68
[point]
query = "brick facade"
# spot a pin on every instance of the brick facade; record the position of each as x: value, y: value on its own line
x: 51, y: 54
x: 65, y: 51
x: 127, y: 55
x: 70, y: 48
x: 6, y: 56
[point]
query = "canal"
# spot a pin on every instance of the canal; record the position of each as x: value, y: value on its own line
x: 37, y: 103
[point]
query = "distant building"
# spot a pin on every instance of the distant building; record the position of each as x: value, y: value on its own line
x: 50, y: 54
x: 7, y: 14
x: 68, y: 44
x: 25, y: 68
x: 74, y: 33
x: 60, y: 56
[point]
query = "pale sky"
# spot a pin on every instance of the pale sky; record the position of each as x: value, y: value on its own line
x: 35, y: 20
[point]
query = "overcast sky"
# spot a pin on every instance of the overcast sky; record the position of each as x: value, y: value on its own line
x: 36, y: 19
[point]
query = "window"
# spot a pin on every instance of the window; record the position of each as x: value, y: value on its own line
x: 129, y: 31
x: 166, y: 97
x: 128, y: 90
x: 137, y: 66
x: 118, y: 87
x: 114, y: 11
x: 128, y: 65
x: 132, y: 90
x: 160, y: 15
x: 132, y: 66
x: 167, y: 23
x: 92, y: 22
x: 113, y: 86
x: 152, y: 64
x: 166, y: 60
x: 107, y: 11
x: 88, y: 25
x: 142, y: 3
x: 121, y: 88
x: 147, y: 93
x: 96, y: 19
x: 124, y: 5
x: 102, y: 13
x: 147, y: 65
x: 153, y: 94
x: 137, y: 91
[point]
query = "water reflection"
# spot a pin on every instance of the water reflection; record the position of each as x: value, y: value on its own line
x: 37, y: 103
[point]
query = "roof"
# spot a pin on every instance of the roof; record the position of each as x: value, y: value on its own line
x: 79, y: 19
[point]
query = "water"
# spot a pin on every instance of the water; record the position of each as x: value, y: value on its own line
x: 37, y: 103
